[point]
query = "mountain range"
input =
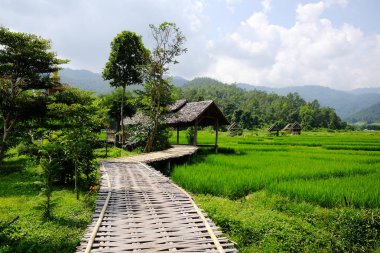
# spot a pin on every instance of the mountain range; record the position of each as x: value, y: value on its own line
x: 345, y: 103
x: 354, y: 105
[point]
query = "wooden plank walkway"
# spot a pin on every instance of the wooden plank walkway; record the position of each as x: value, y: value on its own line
x: 141, y: 210
x: 176, y: 151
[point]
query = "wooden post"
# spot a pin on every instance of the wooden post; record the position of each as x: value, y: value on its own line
x: 195, y: 142
x: 216, y: 135
x: 177, y: 135
x: 167, y: 167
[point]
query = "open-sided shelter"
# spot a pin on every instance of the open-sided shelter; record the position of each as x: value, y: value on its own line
x: 293, y: 128
x: 189, y: 114
x: 274, y: 129
x: 235, y: 129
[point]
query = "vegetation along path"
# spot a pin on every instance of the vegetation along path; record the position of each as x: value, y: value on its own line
x: 139, y: 209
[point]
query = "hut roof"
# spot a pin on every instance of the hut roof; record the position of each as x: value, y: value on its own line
x: 234, y: 127
x: 296, y: 126
x: 274, y: 127
x: 183, y: 113
x: 293, y: 126
x: 177, y: 105
x: 288, y: 127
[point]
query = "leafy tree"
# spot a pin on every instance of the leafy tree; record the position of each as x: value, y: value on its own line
x: 307, y: 117
x: 78, y: 130
x: 50, y: 165
x: 124, y: 65
x: 26, y: 63
x: 112, y: 102
x: 169, y: 41
x: 258, y: 108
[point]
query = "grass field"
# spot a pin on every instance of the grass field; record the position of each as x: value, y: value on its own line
x: 21, y: 195
x: 334, y: 175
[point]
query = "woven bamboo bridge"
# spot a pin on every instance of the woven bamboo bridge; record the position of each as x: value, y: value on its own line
x: 141, y: 210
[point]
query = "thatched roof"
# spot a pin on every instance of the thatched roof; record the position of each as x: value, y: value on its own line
x: 234, y: 127
x: 274, y: 127
x: 184, y: 114
x: 177, y: 105
x: 293, y: 126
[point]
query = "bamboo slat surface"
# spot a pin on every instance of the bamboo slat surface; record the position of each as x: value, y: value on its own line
x: 146, y: 212
x: 175, y: 152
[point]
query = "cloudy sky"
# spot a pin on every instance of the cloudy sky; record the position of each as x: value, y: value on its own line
x: 277, y: 43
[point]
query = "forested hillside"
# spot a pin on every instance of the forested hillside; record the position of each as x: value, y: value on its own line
x: 370, y: 114
x: 252, y: 109
x: 344, y: 102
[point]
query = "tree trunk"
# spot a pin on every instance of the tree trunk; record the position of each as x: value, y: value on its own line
x: 122, y: 118
x: 8, y: 125
x: 76, y: 179
x: 149, y: 144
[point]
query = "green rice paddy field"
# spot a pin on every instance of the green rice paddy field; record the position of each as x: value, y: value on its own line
x: 318, y: 192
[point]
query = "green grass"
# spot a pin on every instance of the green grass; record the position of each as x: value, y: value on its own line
x: 262, y: 222
x: 20, y: 195
x: 276, y: 164
x: 334, y: 173
x: 112, y: 152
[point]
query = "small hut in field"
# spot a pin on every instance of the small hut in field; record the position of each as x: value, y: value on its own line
x: 235, y: 129
x: 183, y: 114
x: 293, y: 128
x: 274, y: 129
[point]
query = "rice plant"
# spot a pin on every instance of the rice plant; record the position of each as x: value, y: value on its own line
x: 330, y: 170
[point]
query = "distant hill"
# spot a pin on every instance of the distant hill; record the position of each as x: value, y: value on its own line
x: 345, y: 103
x: 366, y: 90
x: 370, y: 114
x: 178, y: 81
x: 87, y: 80
x: 199, y: 82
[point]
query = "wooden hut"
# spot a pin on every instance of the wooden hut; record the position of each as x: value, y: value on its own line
x: 189, y: 114
x: 57, y: 88
x: 274, y: 129
x: 293, y: 128
x: 235, y: 129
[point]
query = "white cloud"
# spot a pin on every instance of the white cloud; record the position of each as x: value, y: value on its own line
x: 266, y: 5
x: 311, y: 52
x: 310, y: 12
x: 82, y: 30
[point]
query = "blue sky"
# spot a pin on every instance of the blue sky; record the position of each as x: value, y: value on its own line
x: 277, y: 43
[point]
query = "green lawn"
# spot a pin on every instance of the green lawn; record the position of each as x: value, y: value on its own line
x: 21, y: 195
x: 256, y: 189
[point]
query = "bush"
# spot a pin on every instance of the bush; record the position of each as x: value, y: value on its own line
x: 190, y: 135
x: 137, y: 137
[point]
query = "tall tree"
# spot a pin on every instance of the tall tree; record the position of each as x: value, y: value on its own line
x: 112, y: 102
x: 124, y: 65
x: 169, y: 41
x: 26, y: 63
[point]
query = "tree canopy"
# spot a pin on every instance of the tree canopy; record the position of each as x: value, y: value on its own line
x: 259, y: 109
x: 26, y: 63
x: 158, y: 91
x: 124, y: 67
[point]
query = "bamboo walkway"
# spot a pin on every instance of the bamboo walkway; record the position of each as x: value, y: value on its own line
x: 141, y: 210
x: 176, y: 151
